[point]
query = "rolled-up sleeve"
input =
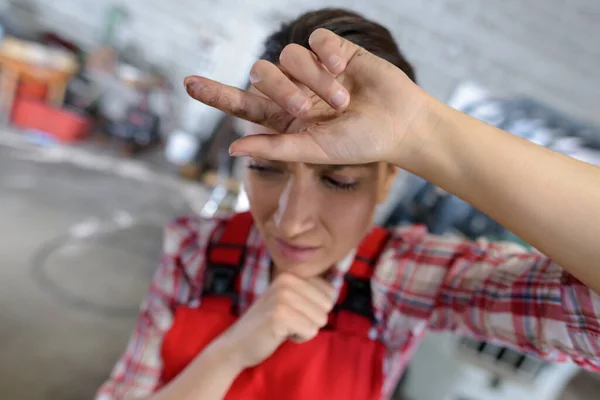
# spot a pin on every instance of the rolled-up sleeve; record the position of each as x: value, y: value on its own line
x: 497, y: 292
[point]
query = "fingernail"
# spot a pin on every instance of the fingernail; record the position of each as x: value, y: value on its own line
x: 339, y: 99
x: 254, y: 78
x: 335, y: 61
x: 297, y: 103
x: 234, y: 153
x: 189, y: 84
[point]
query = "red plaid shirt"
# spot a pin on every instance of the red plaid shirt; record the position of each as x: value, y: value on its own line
x: 491, y: 291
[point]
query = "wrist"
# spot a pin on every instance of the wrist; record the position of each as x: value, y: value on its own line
x: 225, y: 353
x: 428, y: 147
x: 209, y: 376
x: 417, y: 117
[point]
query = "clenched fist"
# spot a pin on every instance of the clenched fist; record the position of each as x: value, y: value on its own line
x: 291, y: 308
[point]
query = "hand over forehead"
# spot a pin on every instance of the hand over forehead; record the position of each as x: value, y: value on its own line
x: 319, y: 124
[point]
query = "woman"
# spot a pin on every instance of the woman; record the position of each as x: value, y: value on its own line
x: 303, y: 298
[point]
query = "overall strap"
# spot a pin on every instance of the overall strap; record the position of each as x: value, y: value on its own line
x: 225, y: 258
x: 355, y: 305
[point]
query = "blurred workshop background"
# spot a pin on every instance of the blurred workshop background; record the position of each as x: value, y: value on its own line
x: 99, y: 147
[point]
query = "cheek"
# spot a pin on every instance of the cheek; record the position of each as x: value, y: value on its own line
x: 263, y: 197
x: 350, y: 215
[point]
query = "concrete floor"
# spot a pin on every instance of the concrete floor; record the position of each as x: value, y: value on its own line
x: 78, y: 249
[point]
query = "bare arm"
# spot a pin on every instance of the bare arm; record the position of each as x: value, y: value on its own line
x: 550, y: 200
x: 208, y: 377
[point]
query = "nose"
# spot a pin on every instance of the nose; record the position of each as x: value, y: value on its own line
x: 297, y: 210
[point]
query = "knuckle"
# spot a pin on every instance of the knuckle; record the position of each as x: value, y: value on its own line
x: 279, y: 119
x: 278, y: 314
x: 242, y: 109
x: 361, y: 52
x: 312, y: 332
x: 285, y: 280
x: 323, y: 319
x: 283, y: 296
x: 276, y: 327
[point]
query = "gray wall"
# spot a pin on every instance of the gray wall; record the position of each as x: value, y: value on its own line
x: 545, y: 48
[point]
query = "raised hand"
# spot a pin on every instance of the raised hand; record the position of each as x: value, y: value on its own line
x: 338, y: 104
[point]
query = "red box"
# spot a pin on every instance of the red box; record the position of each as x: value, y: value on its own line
x: 31, y: 90
x: 64, y: 125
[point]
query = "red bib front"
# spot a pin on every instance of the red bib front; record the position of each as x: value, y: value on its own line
x: 341, y: 362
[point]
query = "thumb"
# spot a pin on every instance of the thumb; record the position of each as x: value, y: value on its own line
x: 290, y: 147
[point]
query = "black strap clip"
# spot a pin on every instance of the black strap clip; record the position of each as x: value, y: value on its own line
x: 358, y: 297
x: 220, y: 280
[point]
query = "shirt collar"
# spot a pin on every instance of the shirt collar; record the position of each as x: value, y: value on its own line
x: 337, y: 273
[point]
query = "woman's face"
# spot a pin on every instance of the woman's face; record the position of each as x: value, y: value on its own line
x: 311, y: 216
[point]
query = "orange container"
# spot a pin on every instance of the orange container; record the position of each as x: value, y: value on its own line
x: 64, y: 125
x: 31, y: 90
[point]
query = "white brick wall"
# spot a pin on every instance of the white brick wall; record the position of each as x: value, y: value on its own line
x: 544, y: 48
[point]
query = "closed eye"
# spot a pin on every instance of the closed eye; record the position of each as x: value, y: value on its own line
x: 269, y: 171
x: 337, y: 184
x: 264, y: 169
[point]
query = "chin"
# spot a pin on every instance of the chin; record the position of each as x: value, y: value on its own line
x: 305, y: 269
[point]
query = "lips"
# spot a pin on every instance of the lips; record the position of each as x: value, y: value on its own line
x: 295, y: 252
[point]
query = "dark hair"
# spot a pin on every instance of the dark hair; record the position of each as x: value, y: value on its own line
x: 349, y: 25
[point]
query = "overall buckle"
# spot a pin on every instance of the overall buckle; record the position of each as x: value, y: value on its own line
x: 358, y: 297
x: 220, y: 280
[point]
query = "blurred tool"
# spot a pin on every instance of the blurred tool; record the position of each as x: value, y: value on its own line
x: 139, y: 129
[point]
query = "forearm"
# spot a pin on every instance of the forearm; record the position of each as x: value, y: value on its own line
x: 208, y: 377
x: 550, y: 200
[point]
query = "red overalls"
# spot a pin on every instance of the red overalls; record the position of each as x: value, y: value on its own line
x: 341, y: 362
